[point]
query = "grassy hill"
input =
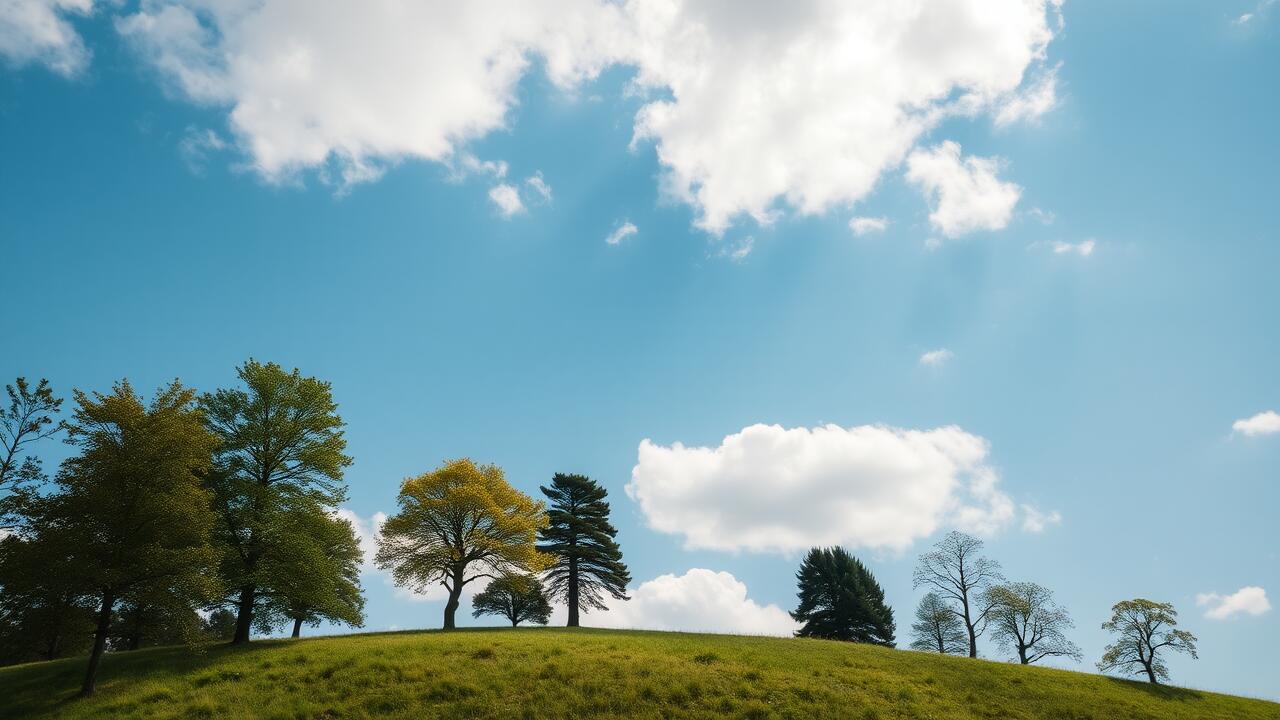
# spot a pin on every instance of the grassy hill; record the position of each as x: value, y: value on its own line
x: 557, y: 673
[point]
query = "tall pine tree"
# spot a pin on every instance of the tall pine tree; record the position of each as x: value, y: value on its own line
x: 588, y: 563
x: 841, y: 600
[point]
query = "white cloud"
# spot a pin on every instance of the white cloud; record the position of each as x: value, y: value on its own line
x: 964, y: 192
x: 772, y: 489
x: 37, y: 31
x: 864, y: 225
x: 507, y: 199
x: 936, y: 358
x: 1084, y: 248
x: 1044, y: 216
x: 1035, y: 520
x: 1251, y: 600
x: 1264, y: 423
x: 1033, y: 102
x: 1255, y: 14
x: 622, y: 232
x: 539, y: 186
x: 751, y: 107
x: 699, y: 601
x: 737, y: 250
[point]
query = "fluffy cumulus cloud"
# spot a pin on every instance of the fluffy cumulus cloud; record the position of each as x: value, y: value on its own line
x: 1264, y: 423
x: 964, y: 192
x: 1251, y: 600
x: 750, y: 106
x: 698, y: 601
x: 38, y: 31
x: 507, y: 199
x: 774, y: 489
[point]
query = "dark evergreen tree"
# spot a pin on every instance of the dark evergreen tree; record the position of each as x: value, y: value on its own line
x: 518, y: 598
x: 841, y: 600
x: 588, y: 563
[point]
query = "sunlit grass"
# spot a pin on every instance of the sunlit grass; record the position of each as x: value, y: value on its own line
x: 558, y: 673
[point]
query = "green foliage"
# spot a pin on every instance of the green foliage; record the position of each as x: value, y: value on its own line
x: 1147, y: 631
x: 220, y: 625
x: 459, y: 523
x: 1025, y: 619
x: 27, y: 419
x: 937, y: 628
x: 557, y: 674
x: 44, y: 612
x: 130, y: 514
x: 315, y: 571
x: 518, y: 598
x: 588, y: 562
x: 841, y: 600
x: 279, y: 465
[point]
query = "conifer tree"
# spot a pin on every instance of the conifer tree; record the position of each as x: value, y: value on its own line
x: 841, y: 600
x: 588, y: 562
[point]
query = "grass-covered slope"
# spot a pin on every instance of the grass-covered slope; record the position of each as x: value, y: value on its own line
x: 555, y: 673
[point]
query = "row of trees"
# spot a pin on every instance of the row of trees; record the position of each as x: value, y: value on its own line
x: 171, y: 511
x: 969, y: 596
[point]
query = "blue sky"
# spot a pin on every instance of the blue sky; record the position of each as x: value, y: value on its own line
x: 1078, y: 210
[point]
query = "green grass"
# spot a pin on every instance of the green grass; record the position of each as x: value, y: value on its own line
x: 557, y: 673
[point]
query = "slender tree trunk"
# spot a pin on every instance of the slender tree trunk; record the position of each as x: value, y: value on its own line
x: 99, y: 643
x: 297, y: 627
x: 451, y: 607
x: 573, y: 591
x: 968, y: 625
x: 1022, y: 654
x: 244, y: 615
x: 1151, y: 675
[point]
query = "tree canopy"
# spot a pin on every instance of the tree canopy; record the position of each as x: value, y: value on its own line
x: 130, y: 512
x: 459, y: 523
x: 841, y: 600
x: 937, y: 628
x: 27, y: 419
x: 281, y: 455
x: 587, y: 560
x: 1146, y: 632
x: 1025, y: 618
x: 315, y: 567
x: 957, y: 572
x: 518, y: 598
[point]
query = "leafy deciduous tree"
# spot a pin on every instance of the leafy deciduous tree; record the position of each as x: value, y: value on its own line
x: 1024, y: 617
x: 588, y: 562
x: 841, y: 600
x: 956, y: 571
x: 315, y: 566
x: 1146, y: 629
x: 459, y: 523
x: 28, y: 418
x: 44, y: 612
x: 130, y: 513
x: 281, y: 453
x: 937, y: 628
x: 518, y: 598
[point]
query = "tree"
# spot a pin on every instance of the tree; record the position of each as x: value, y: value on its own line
x: 141, y: 623
x: 219, y: 625
x: 960, y: 576
x: 1024, y: 617
x: 130, y: 513
x: 456, y: 524
x: 518, y: 598
x: 28, y: 418
x: 841, y: 600
x: 44, y: 612
x: 315, y: 564
x: 588, y: 562
x: 1146, y: 631
x: 281, y: 453
x: 937, y: 628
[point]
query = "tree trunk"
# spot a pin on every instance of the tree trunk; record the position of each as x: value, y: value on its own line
x: 515, y: 622
x: 451, y: 607
x: 573, y: 591
x: 1022, y: 655
x: 1151, y: 675
x: 244, y: 615
x: 297, y: 627
x: 99, y: 642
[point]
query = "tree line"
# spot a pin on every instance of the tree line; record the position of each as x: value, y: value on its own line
x: 195, y: 517
x: 968, y: 596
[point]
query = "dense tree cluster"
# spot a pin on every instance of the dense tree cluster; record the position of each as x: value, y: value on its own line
x: 189, y: 517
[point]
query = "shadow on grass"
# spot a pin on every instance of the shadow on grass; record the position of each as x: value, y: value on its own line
x: 1164, y: 692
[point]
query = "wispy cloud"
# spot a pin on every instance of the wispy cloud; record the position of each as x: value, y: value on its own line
x: 936, y: 358
x: 507, y: 199
x: 539, y: 186
x: 622, y: 232
x: 865, y: 225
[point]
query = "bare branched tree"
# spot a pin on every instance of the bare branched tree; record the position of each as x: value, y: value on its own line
x: 1025, y: 618
x: 956, y: 571
x: 937, y: 629
x: 1146, y: 629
